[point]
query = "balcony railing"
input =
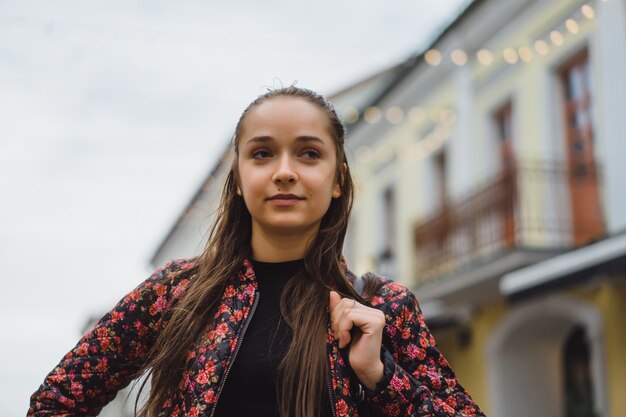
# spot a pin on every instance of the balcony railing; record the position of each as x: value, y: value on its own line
x: 531, y: 205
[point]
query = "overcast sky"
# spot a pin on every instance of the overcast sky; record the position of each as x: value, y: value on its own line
x: 113, y: 112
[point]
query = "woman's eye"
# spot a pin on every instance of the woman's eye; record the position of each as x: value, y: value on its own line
x: 311, y: 154
x: 261, y: 154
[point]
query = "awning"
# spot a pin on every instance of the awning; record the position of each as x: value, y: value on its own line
x: 605, y: 255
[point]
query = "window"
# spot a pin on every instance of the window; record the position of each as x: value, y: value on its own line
x: 577, y: 378
x: 386, y: 252
x: 389, y: 222
x: 503, y: 119
x: 507, y: 179
x: 575, y: 78
x: 441, y: 178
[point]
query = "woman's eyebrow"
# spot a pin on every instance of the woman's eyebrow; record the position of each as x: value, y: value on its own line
x: 260, y: 139
x: 309, y: 139
x: 305, y: 138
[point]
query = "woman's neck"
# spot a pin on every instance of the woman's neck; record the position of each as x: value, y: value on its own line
x: 273, y: 247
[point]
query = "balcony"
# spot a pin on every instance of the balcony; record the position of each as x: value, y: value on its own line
x: 534, y: 207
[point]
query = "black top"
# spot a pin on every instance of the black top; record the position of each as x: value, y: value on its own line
x: 250, y: 388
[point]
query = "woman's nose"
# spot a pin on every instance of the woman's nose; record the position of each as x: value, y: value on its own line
x: 285, y: 171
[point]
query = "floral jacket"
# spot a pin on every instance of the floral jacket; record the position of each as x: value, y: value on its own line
x: 418, y: 380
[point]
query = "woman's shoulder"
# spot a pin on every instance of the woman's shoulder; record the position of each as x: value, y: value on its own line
x: 169, y: 281
x: 388, y: 291
x: 176, y: 266
x: 180, y: 266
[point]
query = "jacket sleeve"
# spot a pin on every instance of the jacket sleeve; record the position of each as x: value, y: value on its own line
x: 110, y: 354
x: 417, y: 381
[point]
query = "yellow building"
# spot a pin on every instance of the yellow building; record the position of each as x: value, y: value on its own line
x: 491, y: 178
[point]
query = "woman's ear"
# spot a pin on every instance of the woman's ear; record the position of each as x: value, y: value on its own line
x: 238, y: 191
x: 337, y: 187
x: 336, y: 191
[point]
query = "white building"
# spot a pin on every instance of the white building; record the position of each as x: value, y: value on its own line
x: 492, y: 182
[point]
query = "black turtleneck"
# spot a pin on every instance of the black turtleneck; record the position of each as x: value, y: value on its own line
x: 250, y: 389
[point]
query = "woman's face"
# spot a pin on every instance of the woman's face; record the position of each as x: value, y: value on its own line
x: 287, y: 165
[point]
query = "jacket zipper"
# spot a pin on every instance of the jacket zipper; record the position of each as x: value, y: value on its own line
x: 232, y: 360
x: 330, y: 391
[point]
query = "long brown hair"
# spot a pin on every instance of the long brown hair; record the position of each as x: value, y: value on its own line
x: 301, y: 385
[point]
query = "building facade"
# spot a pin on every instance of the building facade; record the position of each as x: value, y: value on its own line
x: 491, y: 180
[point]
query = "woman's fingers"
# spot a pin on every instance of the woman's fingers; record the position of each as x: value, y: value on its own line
x: 361, y: 327
x: 339, y: 322
x: 335, y: 298
x: 346, y: 314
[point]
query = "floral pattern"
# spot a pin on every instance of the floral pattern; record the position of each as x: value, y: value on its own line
x: 418, y: 380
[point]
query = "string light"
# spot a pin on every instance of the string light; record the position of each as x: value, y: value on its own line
x: 395, y: 114
x: 350, y: 114
x: 416, y: 115
x: 433, y: 57
x: 446, y: 115
x: 431, y: 142
x: 372, y: 115
x: 435, y: 113
x: 572, y: 26
x: 485, y: 57
x: 525, y: 53
x: 459, y: 57
x: 556, y: 37
x: 542, y: 47
x: 510, y: 55
x: 587, y: 11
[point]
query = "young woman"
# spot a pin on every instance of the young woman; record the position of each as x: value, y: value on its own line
x: 267, y: 321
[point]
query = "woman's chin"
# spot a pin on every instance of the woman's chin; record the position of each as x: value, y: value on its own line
x: 290, y: 227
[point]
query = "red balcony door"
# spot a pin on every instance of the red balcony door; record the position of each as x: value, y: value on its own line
x: 504, y: 120
x: 504, y: 124
x: 587, y: 221
x: 441, y: 179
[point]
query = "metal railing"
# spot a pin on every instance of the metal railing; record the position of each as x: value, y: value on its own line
x: 528, y: 205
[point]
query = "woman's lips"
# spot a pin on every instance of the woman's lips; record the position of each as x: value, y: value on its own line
x: 284, y: 200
